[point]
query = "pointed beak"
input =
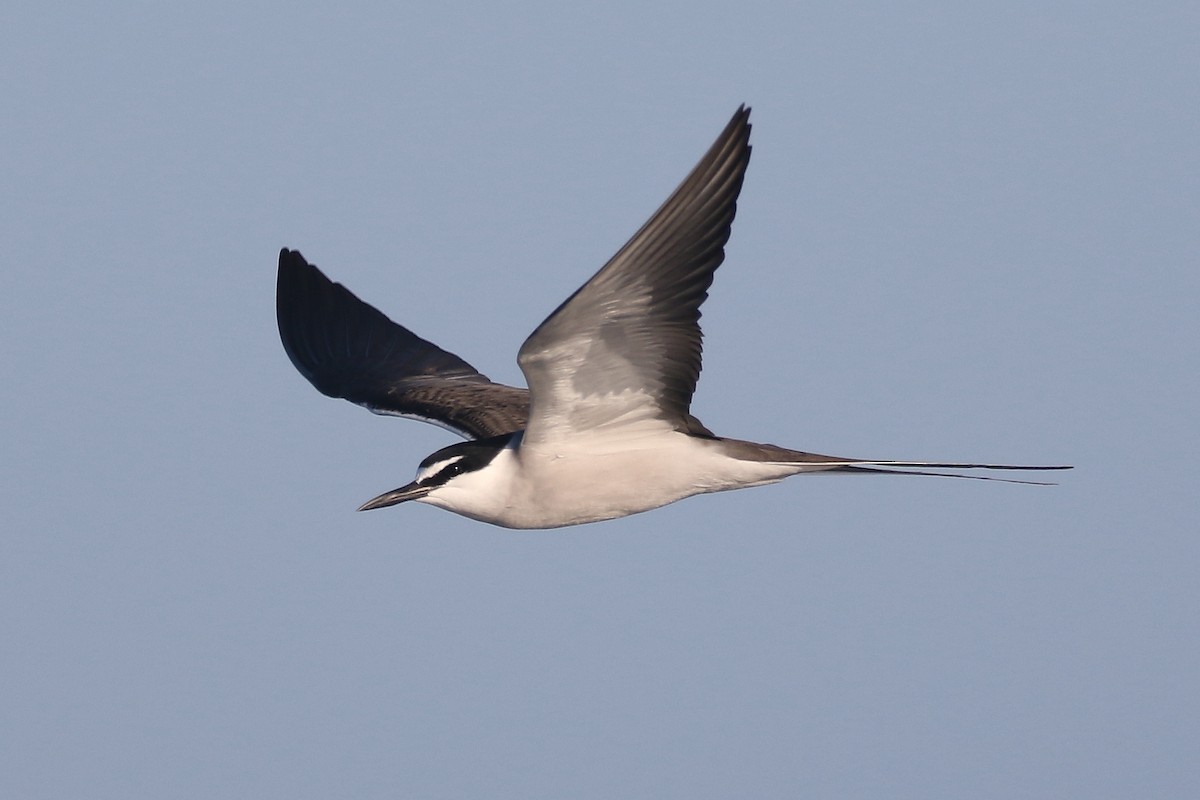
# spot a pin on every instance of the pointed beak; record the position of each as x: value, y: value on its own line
x: 410, y: 492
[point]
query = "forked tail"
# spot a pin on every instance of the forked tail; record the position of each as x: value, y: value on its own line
x: 879, y: 468
x: 814, y: 462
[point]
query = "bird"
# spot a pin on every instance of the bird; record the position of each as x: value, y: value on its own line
x: 605, y: 428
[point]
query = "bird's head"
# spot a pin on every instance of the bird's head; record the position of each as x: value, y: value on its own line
x: 444, y: 473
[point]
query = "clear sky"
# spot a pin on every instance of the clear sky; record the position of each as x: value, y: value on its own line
x: 968, y: 231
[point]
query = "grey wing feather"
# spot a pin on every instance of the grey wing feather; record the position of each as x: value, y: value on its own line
x: 348, y: 349
x: 633, y: 329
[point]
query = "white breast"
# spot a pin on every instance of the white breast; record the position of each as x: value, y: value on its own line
x: 596, y: 478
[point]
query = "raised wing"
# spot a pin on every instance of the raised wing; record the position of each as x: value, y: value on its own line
x: 625, y: 348
x: 348, y: 349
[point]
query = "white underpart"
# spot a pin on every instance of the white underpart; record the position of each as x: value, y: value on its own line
x: 593, y: 477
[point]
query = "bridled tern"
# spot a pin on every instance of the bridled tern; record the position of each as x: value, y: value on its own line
x: 604, y: 429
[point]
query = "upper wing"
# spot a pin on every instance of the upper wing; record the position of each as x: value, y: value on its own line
x: 348, y: 349
x: 625, y: 348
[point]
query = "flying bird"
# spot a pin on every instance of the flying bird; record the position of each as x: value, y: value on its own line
x: 605, y: 428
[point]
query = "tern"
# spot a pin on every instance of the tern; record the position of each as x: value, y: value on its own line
x: 604, y: 429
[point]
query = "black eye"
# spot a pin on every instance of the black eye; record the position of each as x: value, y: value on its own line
x: 441, y: 467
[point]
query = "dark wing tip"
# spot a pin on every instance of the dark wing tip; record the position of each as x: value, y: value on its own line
x: 345, y: 347
x: 348, y: 349
x: 315, y: 316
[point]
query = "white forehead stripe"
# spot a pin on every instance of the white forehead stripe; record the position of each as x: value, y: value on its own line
x: 436, y: 467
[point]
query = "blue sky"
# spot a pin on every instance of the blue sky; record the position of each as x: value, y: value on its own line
x: 968, y: 232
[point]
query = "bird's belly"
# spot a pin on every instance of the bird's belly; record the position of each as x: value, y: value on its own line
x: 555, y: 488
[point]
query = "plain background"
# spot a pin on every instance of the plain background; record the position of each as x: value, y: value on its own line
x: 969, y: 231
